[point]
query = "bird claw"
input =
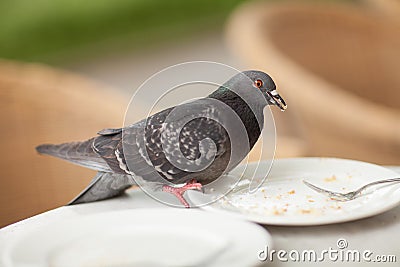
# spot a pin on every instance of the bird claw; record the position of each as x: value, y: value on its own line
x: 179, y: 191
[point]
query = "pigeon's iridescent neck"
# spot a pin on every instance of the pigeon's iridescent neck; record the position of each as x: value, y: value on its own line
x: 253, y: 120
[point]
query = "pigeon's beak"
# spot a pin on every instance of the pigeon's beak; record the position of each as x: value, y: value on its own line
x: 276, y: 99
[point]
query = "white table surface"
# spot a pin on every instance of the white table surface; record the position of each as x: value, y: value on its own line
x: 379, y: 234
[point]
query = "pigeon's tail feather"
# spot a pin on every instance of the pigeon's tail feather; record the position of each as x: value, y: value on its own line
x: 67, y: 150
x: 80, y: 153
x: 103, y: 186
x: 45, y: 148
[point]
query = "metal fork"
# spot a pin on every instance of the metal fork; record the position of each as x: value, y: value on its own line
x: 349, y: 195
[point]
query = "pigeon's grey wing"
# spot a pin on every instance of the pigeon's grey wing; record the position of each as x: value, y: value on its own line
x: 109, y: 147
x: 194, y: 123
x: 105, y: 145
x: 80, y: 153
x: 103, y: 186
x: 139, y: 149
x: 124, y: 151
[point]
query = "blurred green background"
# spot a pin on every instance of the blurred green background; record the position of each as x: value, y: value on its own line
x: 46, y: 30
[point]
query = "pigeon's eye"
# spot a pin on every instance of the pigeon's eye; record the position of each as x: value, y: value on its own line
x: 258, y: 83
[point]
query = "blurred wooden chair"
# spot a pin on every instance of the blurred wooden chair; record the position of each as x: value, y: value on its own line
x: 336, y: 65
x: 42, y: 105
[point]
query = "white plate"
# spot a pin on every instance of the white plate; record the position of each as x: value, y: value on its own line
x: 147, y: 237
x: 284, y: 200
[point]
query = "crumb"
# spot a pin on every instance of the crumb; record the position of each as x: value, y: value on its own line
x: 279, y: 211
x: 305, y: 211
x: 311, y: 200
x: 278, y: 197
x: 291, y: 192
x: 330, y: 179
x: 263, y: 190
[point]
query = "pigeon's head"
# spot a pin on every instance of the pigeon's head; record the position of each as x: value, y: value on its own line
x: 264, y: 83
x: 249, y: 84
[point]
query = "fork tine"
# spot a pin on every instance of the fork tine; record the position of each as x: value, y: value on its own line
x: 331, y: 194
x: 319, y: 189
x: 316, y: 188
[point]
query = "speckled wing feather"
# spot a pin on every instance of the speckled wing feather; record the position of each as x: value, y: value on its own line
x: 199, y: 127
x: 105, y: 146
x: 141, y: 145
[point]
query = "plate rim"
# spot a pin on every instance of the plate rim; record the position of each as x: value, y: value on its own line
x: 262, y: 233
x: 353, y: 217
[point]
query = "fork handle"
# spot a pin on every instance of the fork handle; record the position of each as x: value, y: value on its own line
x: 392, y: 180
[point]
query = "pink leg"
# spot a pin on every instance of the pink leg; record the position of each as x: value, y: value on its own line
x: 179, y: 191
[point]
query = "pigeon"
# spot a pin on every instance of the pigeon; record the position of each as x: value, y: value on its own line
x: 177, y: 149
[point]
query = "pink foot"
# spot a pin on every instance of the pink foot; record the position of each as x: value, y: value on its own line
x: 179, y: 191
